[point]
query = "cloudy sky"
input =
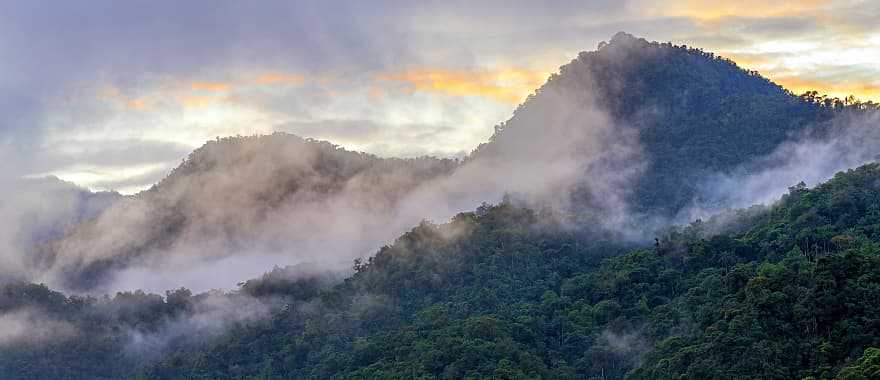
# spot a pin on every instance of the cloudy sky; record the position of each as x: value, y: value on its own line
x: 113, y: 94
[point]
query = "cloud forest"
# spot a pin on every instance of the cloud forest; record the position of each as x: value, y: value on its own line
x: 280, y: 194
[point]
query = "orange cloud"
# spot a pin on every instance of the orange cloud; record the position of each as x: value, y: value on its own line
x: 138, y: 104
x: 509, y: 85
x: 713, y: 10
x: 278, y: 78
x: 211, y: 86
x: 195, y: 101
x: 109, y: 93
x: 376, y: 92
x: 113, y: 94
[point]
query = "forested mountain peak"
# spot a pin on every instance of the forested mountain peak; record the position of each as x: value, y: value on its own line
x: 285, y: 152
x: 692, y: 114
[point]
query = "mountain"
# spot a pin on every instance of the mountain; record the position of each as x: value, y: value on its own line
x: 692, y: 113
x: 235, y: 193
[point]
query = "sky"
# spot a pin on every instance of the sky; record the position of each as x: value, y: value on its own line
x: 114, y: 94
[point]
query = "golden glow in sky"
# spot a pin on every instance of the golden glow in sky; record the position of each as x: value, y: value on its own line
x: 714, y: 10
x: 509, y: 85
x: 826, y: 46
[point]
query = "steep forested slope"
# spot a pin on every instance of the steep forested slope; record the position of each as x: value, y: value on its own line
x: 805, y: 302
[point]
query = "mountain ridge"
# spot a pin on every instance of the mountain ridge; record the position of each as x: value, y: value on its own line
x: 228, y: 188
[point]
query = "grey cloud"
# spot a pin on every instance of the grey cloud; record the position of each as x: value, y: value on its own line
x: 23, y: 327
x: 867, y: 73
x: 409, y: 140
x: 137, y: 182
x: 358, y: 130
x: 859, y: 15
x: 212, y: 313
x: 36, y: 210
x: 771, y: 27
x: 851, y: 141
x: 112, y: 153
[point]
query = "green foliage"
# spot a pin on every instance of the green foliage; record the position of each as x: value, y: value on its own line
x: 868, y: 367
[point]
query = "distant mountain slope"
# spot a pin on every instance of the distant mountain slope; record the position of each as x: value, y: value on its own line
x: 250, y: 194
x: 37, y: 210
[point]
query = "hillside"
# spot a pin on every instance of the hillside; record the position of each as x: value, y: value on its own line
x: 244, y: 194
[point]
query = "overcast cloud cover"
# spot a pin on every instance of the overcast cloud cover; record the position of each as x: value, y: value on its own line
x: 112, y: 95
